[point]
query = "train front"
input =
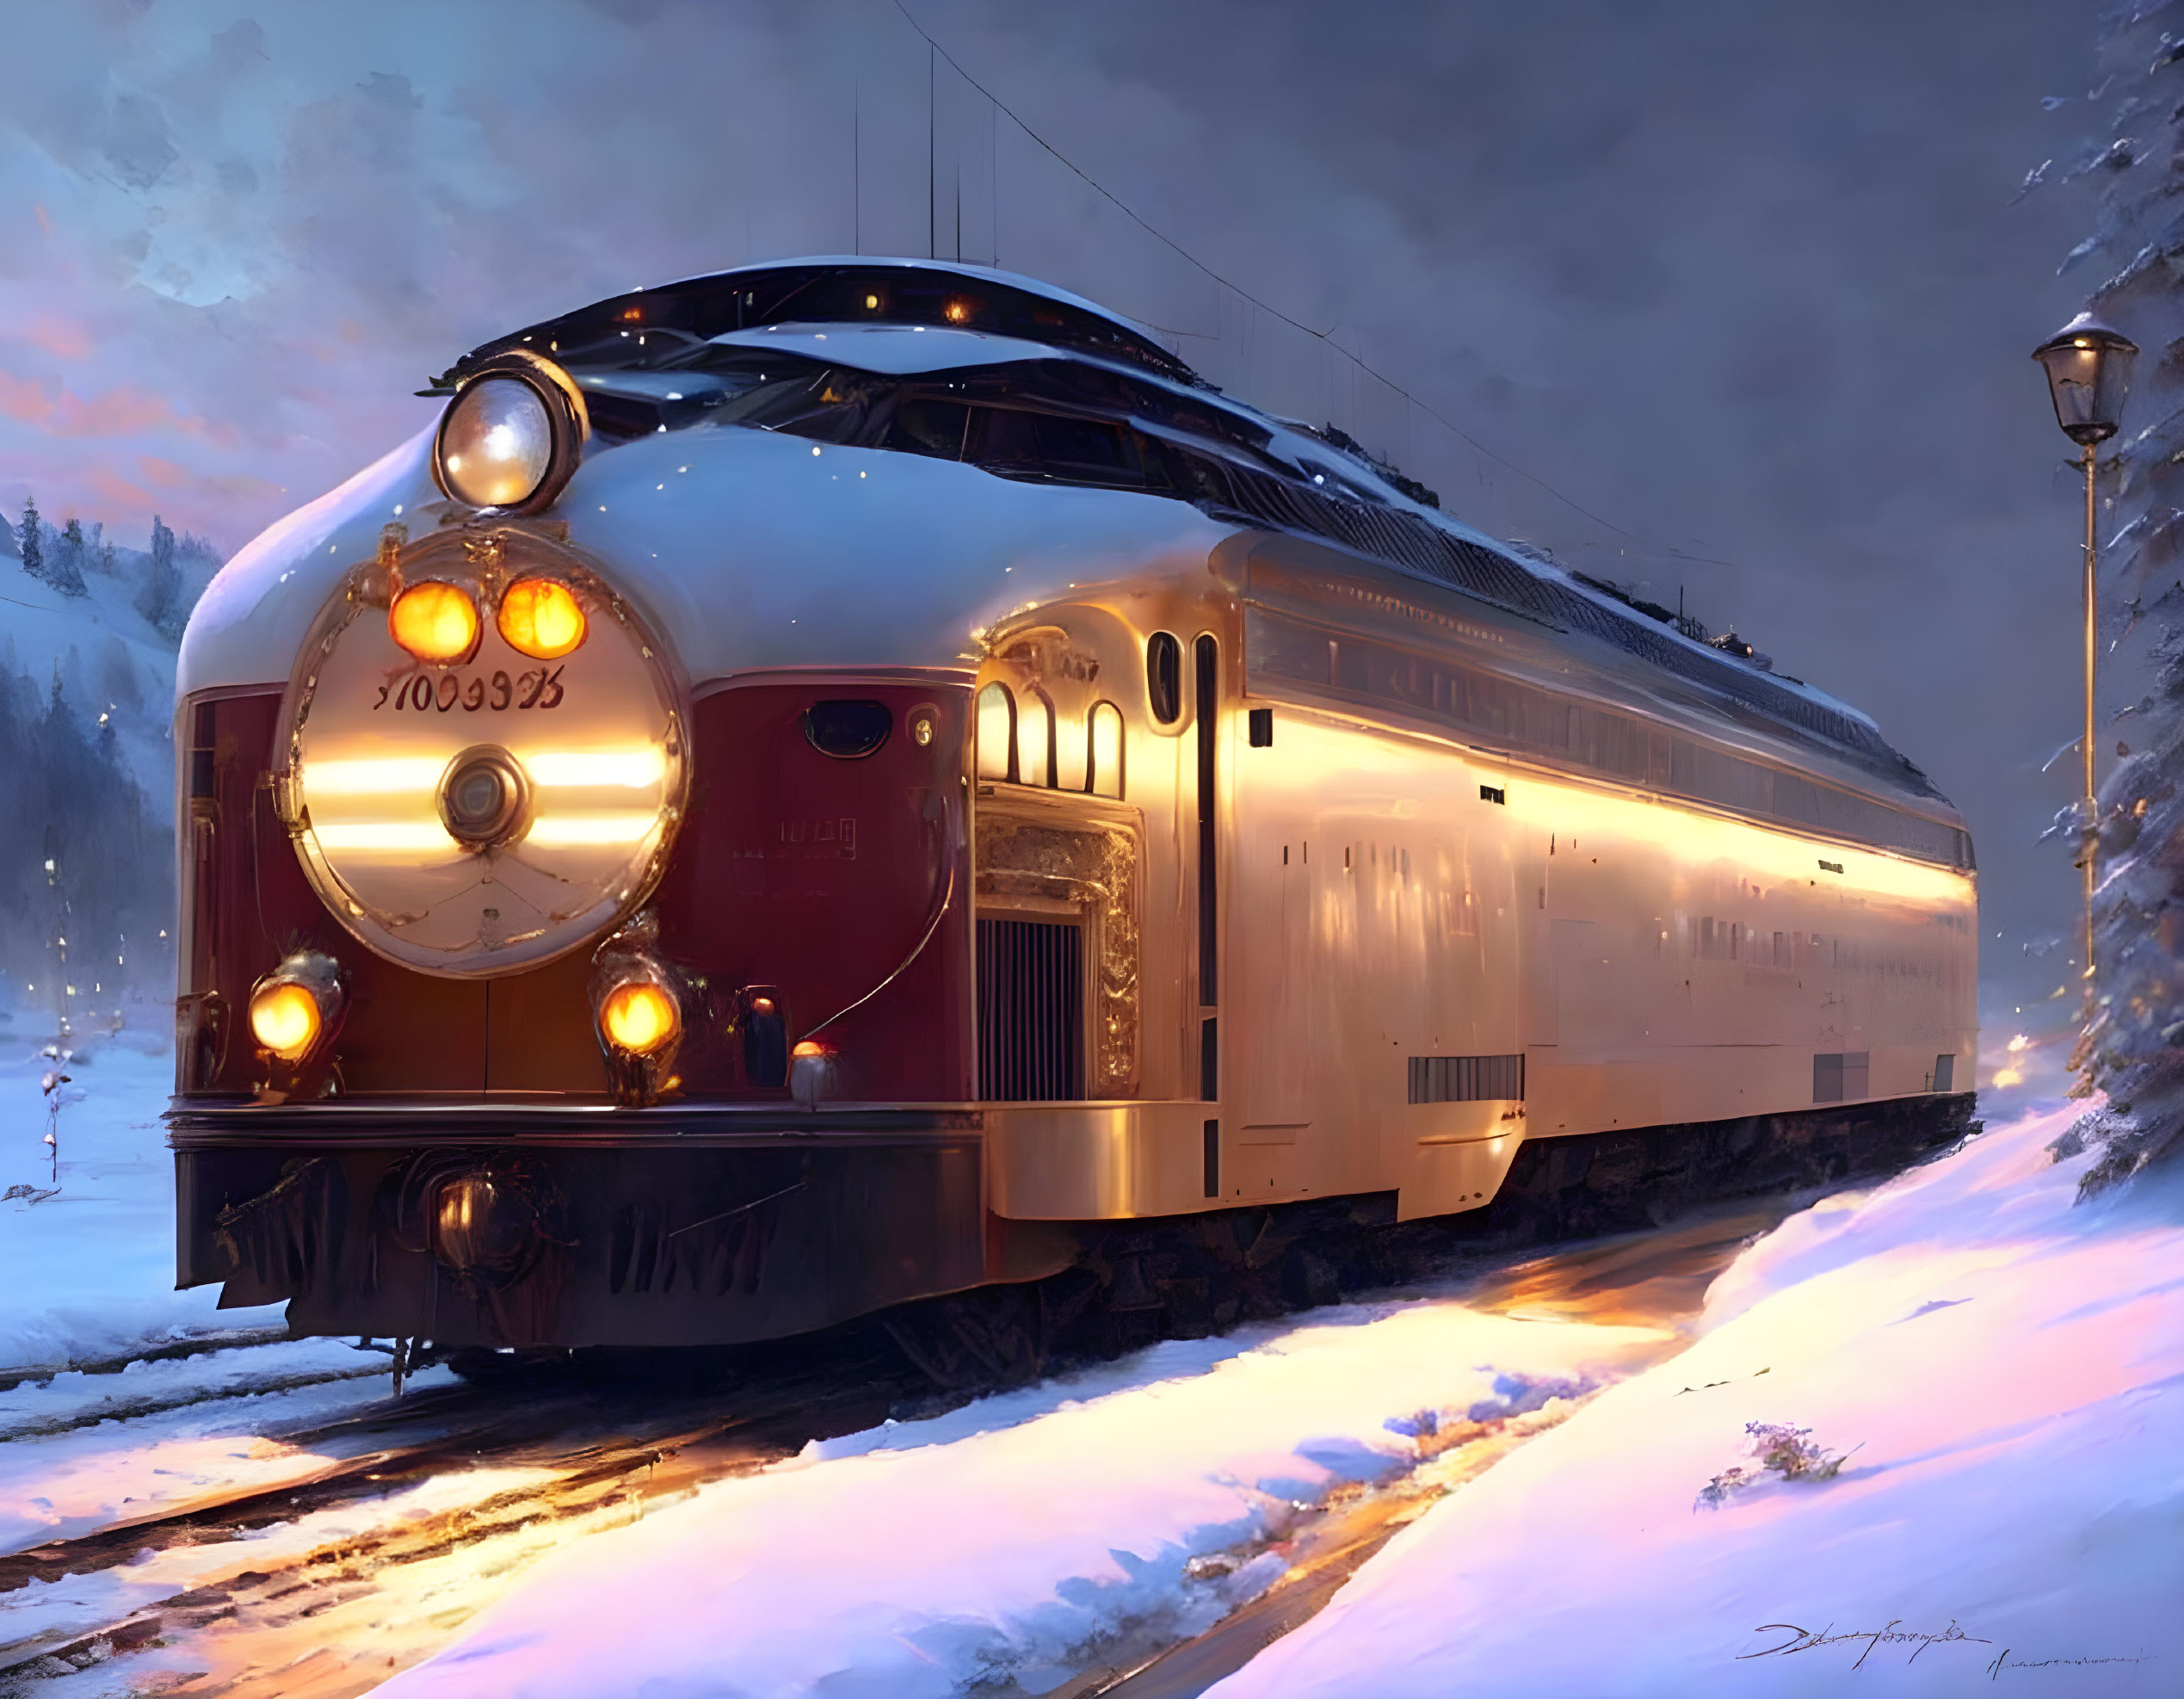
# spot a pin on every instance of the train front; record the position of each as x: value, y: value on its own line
x: 574, y: 949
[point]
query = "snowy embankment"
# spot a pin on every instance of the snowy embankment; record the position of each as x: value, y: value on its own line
x: 87, y: 1273
x: 1004, y: 1544
x: 2010, y: 1371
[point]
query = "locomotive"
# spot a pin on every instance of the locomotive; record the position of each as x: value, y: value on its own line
x: 844, y: 781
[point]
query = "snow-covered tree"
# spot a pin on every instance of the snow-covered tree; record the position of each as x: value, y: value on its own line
x: 34, y: 551
x: 67, y: 574
x: 2132, y: 1045
x: 162, y: 593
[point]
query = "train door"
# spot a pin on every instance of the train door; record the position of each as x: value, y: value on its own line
x: 1277, y: 1035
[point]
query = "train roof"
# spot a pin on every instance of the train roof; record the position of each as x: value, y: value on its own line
x: 834, y: 347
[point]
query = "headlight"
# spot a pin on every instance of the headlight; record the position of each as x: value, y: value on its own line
x: 434, y: 621
x: 512, y: 435
x: 541, y: 617
x: 284, y: 1019
x: 296, y: 1008
x: 639, y: 1018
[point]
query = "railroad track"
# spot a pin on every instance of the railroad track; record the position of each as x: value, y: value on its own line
x: 453, y: 1487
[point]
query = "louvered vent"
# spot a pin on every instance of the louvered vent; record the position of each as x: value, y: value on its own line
x: 1466, y: 1079
x: 1031, y: 1011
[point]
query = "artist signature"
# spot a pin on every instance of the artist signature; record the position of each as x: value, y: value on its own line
x: 1810, y: 1640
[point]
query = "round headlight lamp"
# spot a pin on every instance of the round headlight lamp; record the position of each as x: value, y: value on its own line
x: 298, y: 1007
x: 513, y: 435
x: 639, y: 1017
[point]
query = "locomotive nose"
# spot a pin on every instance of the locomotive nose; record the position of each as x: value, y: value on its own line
x: 480, y: 806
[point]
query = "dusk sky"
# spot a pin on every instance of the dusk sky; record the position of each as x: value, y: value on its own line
x: 1729, y: 298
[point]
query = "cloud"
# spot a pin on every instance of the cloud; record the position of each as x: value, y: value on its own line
x: 123, y: 410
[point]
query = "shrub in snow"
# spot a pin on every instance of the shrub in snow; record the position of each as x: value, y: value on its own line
x: 1784, y: 1450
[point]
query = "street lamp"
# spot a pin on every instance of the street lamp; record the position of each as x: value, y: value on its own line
x: 2088, y: 369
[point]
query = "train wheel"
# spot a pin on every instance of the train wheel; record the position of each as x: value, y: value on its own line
x: 995, y: 1336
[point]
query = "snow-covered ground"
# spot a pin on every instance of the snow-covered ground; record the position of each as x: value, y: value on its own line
x: 2007, y: 1369
x: 1013, y: 1538
x: 2010, y: 1371
x: 88, y: 1273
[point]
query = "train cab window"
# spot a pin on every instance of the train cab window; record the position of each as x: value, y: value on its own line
x: 1103, y: 774
x: 927, y: 426
x: 1164, y: 676
x: 1052, y: 445
x: 996, y: 732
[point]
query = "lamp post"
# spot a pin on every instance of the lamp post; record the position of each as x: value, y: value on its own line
x: 2088, y: 369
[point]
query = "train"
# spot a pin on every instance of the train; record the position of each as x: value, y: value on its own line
x: 836, y: 784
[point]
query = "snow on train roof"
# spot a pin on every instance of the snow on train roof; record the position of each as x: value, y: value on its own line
x: 902, y: 318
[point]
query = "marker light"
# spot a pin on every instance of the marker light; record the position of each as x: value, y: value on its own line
x: 284, y: 1019
x: 639, y: 1018
x: 434, y: 621
x: 541, y: 617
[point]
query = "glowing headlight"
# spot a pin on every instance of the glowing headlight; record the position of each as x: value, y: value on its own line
x: 284, y: 1019
x: 434, y: 621
x: 296, y: 1008
x: 513, y: 434
x: 497, y: 442
x: 541, y: 617
x: 639, y: 1018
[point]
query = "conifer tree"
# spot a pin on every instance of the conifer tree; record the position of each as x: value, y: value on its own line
x: 34, y: 553
x: 2132, y: 1047
x: 161, y: 590
x: 68, y: 561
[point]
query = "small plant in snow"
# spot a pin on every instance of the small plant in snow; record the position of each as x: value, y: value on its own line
x: 1786, y: 1450
x: 49, y: 1086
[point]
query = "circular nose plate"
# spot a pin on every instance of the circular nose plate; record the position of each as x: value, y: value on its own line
x: 492, y: 813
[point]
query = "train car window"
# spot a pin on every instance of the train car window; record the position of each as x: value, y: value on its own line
x: 1035, y: 742
x: 1103, y: 775
x: 848, y: 731
x: 926, y: 425
x: 996, y: 732
x: 1164, y: 676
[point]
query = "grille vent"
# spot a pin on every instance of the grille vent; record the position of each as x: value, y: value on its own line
x: 1466, y: 1079
x: 1031, y: 1011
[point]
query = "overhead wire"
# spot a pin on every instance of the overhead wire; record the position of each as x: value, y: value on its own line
x: 1189, y: 258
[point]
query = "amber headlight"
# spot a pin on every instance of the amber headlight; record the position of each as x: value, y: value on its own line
x: 296, y: 1008
x: 434, y: 621
x: 541, y: 619
x: 512, y: 435
x: 639, y: 1018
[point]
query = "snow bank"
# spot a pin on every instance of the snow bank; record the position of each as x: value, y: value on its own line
x: 1001, y: 1540
x: 2011, y: 1373
x: 88, y: 1274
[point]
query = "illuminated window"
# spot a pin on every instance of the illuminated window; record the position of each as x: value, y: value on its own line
x: 996, y: 732
x: 1035, y: 742
x: 1105, y: 777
